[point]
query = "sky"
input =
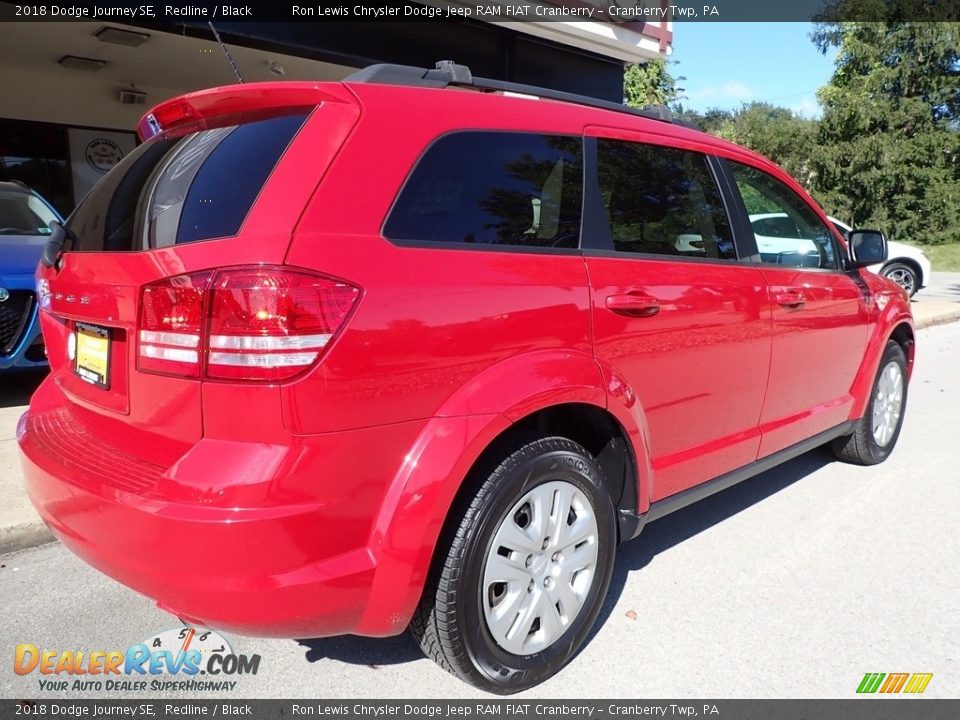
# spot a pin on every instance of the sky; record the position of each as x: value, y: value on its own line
x: 727, y: 64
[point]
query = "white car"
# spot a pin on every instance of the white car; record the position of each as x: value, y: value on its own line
x: 907, y: 266
x: 777, y: 234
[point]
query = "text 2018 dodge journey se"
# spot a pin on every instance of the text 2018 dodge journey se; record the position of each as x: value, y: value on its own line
x: 408, y: 352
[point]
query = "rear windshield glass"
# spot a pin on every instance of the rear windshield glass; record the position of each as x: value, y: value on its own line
x: 178, y: 190
x: 493, y: 188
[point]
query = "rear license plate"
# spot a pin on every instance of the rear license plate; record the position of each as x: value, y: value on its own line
x: 92, y: 361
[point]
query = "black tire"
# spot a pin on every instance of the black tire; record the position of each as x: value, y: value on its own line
x: 904, y: 275
x: 450, y: 624
x: 861, y: 447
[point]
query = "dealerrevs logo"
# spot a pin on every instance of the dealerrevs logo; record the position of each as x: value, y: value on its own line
x: 186, y: 659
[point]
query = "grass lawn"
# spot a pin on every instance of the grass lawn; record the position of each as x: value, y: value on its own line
x: 945, y: 258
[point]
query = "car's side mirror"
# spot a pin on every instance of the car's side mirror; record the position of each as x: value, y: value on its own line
x: 867, y: 247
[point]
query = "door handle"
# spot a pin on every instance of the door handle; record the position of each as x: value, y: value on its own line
x: 790, y: 299
x: 633, y: 305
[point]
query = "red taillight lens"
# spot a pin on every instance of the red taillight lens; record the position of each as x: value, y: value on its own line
x: 171, y: 325
x: 267, y: 324
x: 259, y: 323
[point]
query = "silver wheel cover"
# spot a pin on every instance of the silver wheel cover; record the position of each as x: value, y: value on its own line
x: 540, y: 567
x: 887, y: 403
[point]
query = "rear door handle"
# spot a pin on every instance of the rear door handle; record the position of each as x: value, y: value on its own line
x: 633, y: 305
x: 789, y: 298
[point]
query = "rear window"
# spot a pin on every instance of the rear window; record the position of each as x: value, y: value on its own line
x: 493, y: 188
x: 179, y: 190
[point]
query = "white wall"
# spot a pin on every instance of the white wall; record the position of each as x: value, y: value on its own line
x: 71, y: 98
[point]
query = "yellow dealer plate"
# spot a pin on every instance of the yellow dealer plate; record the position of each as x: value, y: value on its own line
x: 92, y: 362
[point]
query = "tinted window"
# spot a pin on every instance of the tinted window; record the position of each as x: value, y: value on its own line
x: 663, y: 201
x: 178, y: 190
x: 490, y: 188
x: 787, y: 230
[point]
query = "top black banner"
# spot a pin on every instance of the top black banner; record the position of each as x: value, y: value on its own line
x: 497, y: 11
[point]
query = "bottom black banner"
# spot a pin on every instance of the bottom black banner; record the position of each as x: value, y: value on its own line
x: 877, y: 708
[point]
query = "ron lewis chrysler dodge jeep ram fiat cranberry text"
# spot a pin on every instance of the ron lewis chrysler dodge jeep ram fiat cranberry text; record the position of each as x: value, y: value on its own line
x: 405, y: 351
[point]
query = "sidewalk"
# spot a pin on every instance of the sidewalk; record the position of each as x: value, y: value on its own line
x: 21, y: 528
x: 19, y: 525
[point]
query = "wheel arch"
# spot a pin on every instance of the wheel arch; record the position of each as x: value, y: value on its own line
x: 897, y: 325
x: 588, y: 425
x: 424, y: 496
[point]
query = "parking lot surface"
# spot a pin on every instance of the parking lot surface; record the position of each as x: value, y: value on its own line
x: 793, y: 584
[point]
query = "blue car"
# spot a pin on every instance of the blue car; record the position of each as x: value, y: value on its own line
x: 25, y: 219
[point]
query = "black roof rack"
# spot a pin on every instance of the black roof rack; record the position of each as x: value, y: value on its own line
x: 447, y: 73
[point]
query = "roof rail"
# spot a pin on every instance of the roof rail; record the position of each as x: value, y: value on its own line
x: 448, y: 73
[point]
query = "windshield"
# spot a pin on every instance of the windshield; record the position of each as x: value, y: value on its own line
x: 22, y: 213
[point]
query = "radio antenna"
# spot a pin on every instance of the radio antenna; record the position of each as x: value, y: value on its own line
x: 226, y: 52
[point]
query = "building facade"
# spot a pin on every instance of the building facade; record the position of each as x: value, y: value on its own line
x: 72, y: 92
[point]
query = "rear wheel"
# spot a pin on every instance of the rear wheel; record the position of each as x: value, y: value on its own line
x: 903, y: 275
x: 522, y: 569
x: 878, y: 430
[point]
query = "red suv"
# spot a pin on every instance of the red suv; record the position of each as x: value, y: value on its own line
x: 413, y: 351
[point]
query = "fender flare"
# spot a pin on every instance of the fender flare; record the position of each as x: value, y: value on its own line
x: 892, y: 317
x: 418, y: 499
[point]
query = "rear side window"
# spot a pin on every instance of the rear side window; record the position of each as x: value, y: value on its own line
x: 663, y: 201
x: 493, y: 188
x: 179, y: 190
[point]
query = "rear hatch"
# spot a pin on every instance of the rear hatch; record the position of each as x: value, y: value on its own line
x: 219, y: 181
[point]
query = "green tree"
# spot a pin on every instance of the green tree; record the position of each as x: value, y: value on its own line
x: 890, y: 133
x: 777, y: 133
x: 651, y: 83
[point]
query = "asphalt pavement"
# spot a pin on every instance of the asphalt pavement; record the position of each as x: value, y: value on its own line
x: 944, y: 285
x: 793, y: 584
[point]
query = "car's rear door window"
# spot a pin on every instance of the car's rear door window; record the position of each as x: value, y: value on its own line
x: 483, y: 188
x: 662, y: 201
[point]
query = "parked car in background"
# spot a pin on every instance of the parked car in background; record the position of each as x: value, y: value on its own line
x: 25, y: 219
x: 907, y: 266
x: 381, y: 354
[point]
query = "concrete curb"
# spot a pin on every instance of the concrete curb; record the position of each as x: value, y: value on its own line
x: 939, y: 319
x: 28, y: 535
x: 23, y: 537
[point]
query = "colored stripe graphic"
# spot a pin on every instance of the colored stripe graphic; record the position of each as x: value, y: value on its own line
x: 914, y: 683
x: 894, y: 682
x: 870, y: 682
x: 918, y: 683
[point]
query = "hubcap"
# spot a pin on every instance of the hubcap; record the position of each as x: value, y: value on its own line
x: 887, y: 403
x: 540, y: 568
x: 903, y: 278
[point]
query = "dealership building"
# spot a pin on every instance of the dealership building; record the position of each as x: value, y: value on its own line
x: 72, y: 92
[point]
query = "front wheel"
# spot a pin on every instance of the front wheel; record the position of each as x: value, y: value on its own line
x: 878, y: 430
x: 522, y: 570
x: 904, y: 276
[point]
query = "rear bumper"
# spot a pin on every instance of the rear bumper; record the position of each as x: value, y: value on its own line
x: 295, y: 564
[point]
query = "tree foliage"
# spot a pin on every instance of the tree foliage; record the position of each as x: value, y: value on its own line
x: 651, y: 83
x: 775, y: 132
x: 889, y: 139
x: 886, y: 152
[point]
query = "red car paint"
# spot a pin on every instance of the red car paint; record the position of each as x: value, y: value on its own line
x: 312, y: 506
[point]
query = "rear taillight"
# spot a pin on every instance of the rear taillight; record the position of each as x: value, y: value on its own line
x: 171, y: 325
x: 251, y: 323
